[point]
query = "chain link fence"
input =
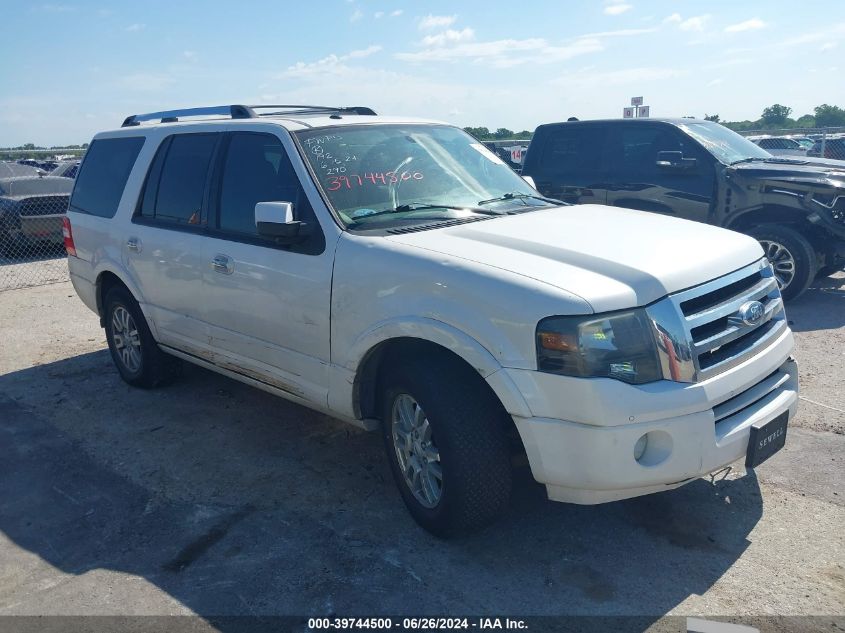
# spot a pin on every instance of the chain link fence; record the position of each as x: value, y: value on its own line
x: 33, y: 202
x: 808, y: 142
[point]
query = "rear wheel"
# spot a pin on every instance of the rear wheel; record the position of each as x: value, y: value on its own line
x: 791, y: 255
x: 134, y: 351
x: 446, y: 441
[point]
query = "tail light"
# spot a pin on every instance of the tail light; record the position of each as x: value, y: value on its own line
x: 67, y: 234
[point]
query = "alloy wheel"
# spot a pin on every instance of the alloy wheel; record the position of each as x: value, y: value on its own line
x: 418, y: 456
x: 126, y: 339
x: 782, y: 261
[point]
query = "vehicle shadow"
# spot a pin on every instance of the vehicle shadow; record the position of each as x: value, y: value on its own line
x: 234, y: 502
x: 821, y: 307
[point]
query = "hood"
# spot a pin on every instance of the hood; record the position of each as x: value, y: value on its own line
x: 809, y: 170
x: 612, y: 258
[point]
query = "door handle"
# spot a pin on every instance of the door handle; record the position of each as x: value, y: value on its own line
x: 134, y: 244
x: 222, y: 264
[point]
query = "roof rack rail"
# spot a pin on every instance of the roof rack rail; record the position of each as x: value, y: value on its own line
x: 241, y: 112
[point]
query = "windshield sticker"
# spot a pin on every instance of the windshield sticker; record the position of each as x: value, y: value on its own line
x: 350, y: 181
x: 478, y: 147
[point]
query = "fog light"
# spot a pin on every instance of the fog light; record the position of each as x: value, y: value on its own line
x: 640, y: 446
x: 653, y: 448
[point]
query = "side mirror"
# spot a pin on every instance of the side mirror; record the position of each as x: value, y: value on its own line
x: 675, y: 160
x: 275, y: 220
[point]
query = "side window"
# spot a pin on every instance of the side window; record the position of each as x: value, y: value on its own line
x: 177, y: 179
x: 574, y: 149
x: 637, y: 146
x: 256, y: 168
x: 103, y: 175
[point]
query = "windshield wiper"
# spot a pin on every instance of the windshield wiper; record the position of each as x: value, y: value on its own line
x: 520, y: 196
x: 415, y: 206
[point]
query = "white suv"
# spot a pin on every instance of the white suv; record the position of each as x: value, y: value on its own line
x: 397, y: 274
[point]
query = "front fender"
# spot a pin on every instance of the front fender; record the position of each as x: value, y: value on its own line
x: 342, y: 392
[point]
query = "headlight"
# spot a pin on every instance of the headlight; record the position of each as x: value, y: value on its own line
x: 615, y: 345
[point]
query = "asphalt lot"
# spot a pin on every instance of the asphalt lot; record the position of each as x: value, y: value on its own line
x: 210, y: 497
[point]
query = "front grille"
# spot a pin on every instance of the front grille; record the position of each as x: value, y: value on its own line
x: 718, y: 337
x: 42, y: 205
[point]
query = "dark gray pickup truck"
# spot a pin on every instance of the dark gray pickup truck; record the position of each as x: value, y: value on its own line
x: 702, y: 171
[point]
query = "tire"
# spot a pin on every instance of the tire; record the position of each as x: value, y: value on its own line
x: 789, y: 252
x: 135, y: 353
x: 466, y: 428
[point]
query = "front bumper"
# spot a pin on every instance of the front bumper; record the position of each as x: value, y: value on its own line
x: 695, y: 429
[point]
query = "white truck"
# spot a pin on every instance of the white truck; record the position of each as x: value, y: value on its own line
x: 395, y: 274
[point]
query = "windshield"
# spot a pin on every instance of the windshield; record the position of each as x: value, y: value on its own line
x: 724, y: 144
x: 377, y: 175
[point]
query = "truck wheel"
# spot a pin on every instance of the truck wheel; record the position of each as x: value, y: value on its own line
x: 791, y: 255
x: 446, y: 441
x: 134, y: 351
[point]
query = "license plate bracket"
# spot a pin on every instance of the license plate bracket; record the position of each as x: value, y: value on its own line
x: 766, y: 439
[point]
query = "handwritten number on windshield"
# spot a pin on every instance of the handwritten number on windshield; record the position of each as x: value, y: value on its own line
x: 352, y: 181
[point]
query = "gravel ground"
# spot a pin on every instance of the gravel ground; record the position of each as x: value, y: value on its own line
x: 209, y: 497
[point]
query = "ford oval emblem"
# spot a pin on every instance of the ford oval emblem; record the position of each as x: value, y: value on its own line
x: 751, y: 313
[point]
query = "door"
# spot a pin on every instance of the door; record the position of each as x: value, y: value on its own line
x: 570, y: 165
x: 163, y: 248
x: 685, y: 189
x: 266, y: 306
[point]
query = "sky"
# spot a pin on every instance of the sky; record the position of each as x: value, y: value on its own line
x: 71, y: 68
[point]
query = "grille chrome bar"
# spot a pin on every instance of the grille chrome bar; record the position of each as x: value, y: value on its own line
x: 729, y: 306
x: 701, y: 332
x: 735, y: 331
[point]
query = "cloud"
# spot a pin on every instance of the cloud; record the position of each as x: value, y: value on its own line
x: 134, y: 28
x: 749, y: 25
x: 449, y: 36
x: 191, y: 56
x: 833, y: 33
x: 330, y: 65
x: 617, y: 8
x: 436, y: 21
x: 357, y: 14
x: 714, y: 82
x: 378, y: 14
x: 363, y: 52
x: 396, y: 13
x: 695, y: 23
x: 505, y: 53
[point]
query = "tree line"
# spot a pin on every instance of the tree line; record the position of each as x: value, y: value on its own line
x: 778, y: 116
x: 501, y: 134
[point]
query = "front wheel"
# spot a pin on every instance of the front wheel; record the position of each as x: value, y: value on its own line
x: 792, y: 257
x: 446, y: 441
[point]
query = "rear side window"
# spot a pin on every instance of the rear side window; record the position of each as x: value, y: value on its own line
x: 103, y: 175
x: 573, y: 149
